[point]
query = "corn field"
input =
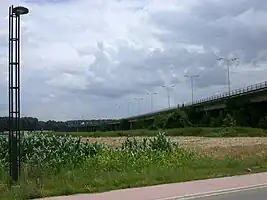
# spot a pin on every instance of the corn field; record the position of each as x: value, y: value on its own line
x: 51, y: 151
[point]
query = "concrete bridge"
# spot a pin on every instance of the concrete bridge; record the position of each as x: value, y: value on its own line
x: 252, y: 93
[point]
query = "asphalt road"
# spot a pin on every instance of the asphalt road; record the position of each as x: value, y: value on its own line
x: 245, y: 187
x: 251, y: 194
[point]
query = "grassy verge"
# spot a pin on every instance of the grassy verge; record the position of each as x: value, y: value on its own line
x: 63, y: 166
x: 188, y: 131
x: 114, y: 169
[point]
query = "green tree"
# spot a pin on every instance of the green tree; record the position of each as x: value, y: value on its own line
x: 206, y: 119
x: 139, y: 124
x: 124, y: 124
x: 263, y: 123
x: 229, y: 121
x: 177, y: 119
x: 217, y: 121
x: 158, y: 122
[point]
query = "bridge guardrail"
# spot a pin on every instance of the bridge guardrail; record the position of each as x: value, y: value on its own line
x: 232, y: 93
x: 235, y: 92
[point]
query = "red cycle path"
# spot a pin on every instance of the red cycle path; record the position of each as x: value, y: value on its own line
x: 173, y: 190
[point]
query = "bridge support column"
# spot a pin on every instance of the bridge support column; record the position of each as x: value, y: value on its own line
x: 117, y: 126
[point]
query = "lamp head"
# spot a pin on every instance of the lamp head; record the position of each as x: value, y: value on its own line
x: 20, y: 10
x: 235, y: 59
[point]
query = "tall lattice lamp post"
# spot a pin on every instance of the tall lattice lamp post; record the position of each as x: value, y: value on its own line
x: 14, y: 90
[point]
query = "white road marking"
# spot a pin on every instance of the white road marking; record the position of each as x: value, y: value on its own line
x: 215, y: 192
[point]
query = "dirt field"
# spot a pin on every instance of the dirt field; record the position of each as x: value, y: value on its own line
x: 239, y: 146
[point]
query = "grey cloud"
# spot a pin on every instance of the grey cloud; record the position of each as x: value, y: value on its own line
x: 133, y: 74
x: 3, y: 100
x: 210, y: 9
x: 46, y: 1
x: 123, y: 84
x: 223, y: 32
x: 121, y: 64
x: 214, y: 24
x: 3, y: 106
x: 216, y: 76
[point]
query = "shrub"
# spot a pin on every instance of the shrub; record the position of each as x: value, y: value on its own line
x: 263, y: 122
x: 176, y: 119
x: 229, y: 121
x: 124, y: 124
x: 158, y: 122
x: 216, y: 121
x: 206, y: 120
x: 159, y: 143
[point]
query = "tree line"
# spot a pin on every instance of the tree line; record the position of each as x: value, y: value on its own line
x: 33, y: 124
x: 237, y: 112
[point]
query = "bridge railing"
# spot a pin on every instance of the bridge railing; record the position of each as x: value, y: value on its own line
x: 232, y: 93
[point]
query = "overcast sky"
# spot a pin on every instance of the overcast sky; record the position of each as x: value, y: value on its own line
x: 87, y: 59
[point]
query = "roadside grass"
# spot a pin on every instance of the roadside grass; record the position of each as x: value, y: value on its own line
x: 135, y: 163
x: 114, y: 169
x: 188, y: 131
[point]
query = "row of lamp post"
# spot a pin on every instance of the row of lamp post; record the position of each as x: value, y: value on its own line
x: 151, y: 95
x: 228, y: 64
x: 191, y: 77
x: 192, y: 84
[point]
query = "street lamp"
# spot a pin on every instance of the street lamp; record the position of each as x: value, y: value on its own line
x: 192, y: 84
x: 14, y: 90
x: 228, y: 63
x: 128, y: 107
x: 138, y: 103
x: 168, y: 87
x: 151, y: 94
x: 118, y: 106
x: 20, y: 10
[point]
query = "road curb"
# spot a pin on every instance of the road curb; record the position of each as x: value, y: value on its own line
x: 215, y: 193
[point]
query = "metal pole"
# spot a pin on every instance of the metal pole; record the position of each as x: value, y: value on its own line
x: 192, y: 88
x: 10, y: 133
x: 228, y: 60
x: 128, y: 107
x: 14, y: 91
x: 18, y: 96
x: 228, y: 75
x: 151, y: 102
x: 151, y: 99
x: 192, y: 85
x: 118, y: 107
x: 138, y: 104
x: 168, y: 93
x: 13, y: 94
